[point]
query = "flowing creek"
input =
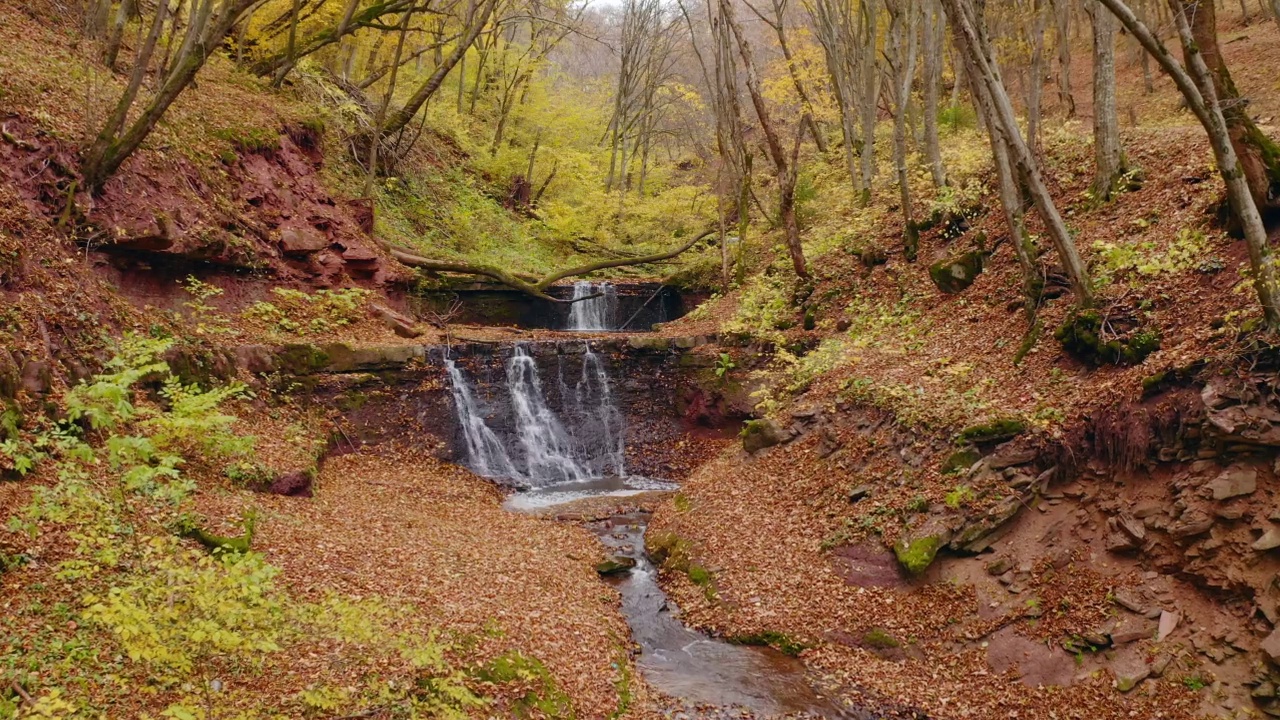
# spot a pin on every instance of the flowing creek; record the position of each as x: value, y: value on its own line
x: 568, y: 445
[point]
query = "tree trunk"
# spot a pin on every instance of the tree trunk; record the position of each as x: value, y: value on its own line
x: 1062, y: 36
x: 350, y: 22
x: 773, y: 142
x: 476, y: 24
x: 372, y: 170
x: 934, y: 34
x: 291, y: 47
x: 868, y: 98
x: 967, y: 30
x: 1035, y: 82
x: 1196, y: 85
x: 108, y: 151
x: 902, y: 58
x: 1259, y: 156
x: 1109, y: 160
x: 111, y: 52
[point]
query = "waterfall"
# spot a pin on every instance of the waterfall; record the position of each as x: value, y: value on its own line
x: 534, y: 441
x: 485, y: 454
x: 596, y: 313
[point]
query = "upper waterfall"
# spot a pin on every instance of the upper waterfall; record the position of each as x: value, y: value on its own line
x: 597, y: 313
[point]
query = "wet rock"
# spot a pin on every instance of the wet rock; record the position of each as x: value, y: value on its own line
x: 37, y: 377
x: 1126, y: 681
x: 615, y: 565
x: 646, y: 343
x: 917, y: 548
x: 954, y: 274
x: 686, y: 343
x: 1235, y: 481
x: 1168, y: 623
x: 1191, y: 524
x: 343, y: 358
x: 999, y: 566
x: 1009, y: 456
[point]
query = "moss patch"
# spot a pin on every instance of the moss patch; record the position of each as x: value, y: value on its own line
x: 781, y: 642
x: 916, y: 555
x: 880, y: 639
x: 960, y: 461
x: 955, y: 274
x: 994, y: 431
x: 1083, y: 335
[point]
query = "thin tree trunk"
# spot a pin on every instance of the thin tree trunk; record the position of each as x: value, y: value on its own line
x: 477, y: 22
x: 291, y: 46
x: 1109, y: 161
x: 869, y: 97
x: 1196, y: 84
x: 967, y: 29
x: 1062, y: 36
x: 902, y: 44
x: 1035, y: 82
x: 934, y: 34
x: 372, y: 171
x: 786, y: 172
x: 112, y: 50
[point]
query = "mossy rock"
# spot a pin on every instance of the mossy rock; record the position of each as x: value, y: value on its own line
x: 1081, y: 335
x: 916, y: 552
x: 301, y: 359
x: 615, y: 565
x: 960, y: 460
x: 996, y: 430
x: 955, y: 274
x: 781, y: 642
x: 759, y: 434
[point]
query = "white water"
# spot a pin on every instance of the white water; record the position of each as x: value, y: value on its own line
x: 536, y: 445
x: 597, y: 313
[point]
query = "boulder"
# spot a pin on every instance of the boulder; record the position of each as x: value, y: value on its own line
x: 1271, y: 647
x: 343, y: 358
x: 1270, y: 540
x: 760, y: 434
x: 615, y: 565
x: 1168, y: 623
x: 858, y: 493
x: 401, y: 325
x: 10, y: 374
x: 302, y: 241
x: 648, y: 343
x: 917, y: 547
x: 1235, y: 481
x: 1191, y: 524
x: 956, y: 273
x: 37, y: 377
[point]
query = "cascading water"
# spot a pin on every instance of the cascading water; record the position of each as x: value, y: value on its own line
x: 535, y: 445
x: 597, y: 313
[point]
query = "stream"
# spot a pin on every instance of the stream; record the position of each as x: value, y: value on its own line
x: 557, y: 440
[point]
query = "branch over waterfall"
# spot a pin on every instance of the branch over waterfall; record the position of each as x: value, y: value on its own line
x: 532, y: 285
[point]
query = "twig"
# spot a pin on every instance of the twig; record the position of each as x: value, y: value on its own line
x: 26, y: 698
x: 642, y: 307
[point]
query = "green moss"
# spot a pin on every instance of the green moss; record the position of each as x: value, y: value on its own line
x: 917, y: 555
x: 1081, y: 335
x: 869, y: 255
x: 781, y: 642
x: 880, y: 639
x: 188, y: 528
x: 681, y: 502
x: 253, y: 140
x: 544, y: 699
x: 993, y: 431
x: 668, y: 550
x: 954, y: 274
x: 301, y: 359
x: 699, y: 575
x: 960, y: 461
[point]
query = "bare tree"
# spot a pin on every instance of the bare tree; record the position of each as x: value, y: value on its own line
x: 847, y: 33
x: 901, y: 57
x: 933, y: 34
x: 784, y: 165
x: 1062, y: 38
x: 211, y: 21
x: 353, y: 18
x: 1109, y: 160
x: 972, y: 41
x: 1035, y: 71
x: 777, y: 21
x: 1196, y: 83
